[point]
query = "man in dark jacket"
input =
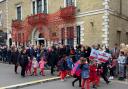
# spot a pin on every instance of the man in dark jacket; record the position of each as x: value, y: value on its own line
x: 14, y: 58
x: 23, y: 60
x: 5, y: 54
x: 31, y: 52
x: 105, y: 71
x: 9, y: 55
x: 52, y: 59
x: 127, y: 65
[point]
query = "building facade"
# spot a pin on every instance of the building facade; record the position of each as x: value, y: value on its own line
x: 118, y: 21
x: 69, y: 22
x: 3, y: 21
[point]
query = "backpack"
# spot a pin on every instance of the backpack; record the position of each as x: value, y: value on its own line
x: 76, y: 70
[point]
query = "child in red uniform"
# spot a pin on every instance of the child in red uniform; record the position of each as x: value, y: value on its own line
x: 35, y: 66
x: 63, y: 68
x: 94, y: 75
x: 112, y: 68
x: 85, y: 74
x: 29, y: 66
x: 41, y: 65
x: 76, y: 72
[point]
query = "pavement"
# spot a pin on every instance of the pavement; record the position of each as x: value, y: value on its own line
x: 10, y: 80
x: 68, y: 85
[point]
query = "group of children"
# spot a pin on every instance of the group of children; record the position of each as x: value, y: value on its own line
x: 33, y: 65
x: 87, y: 73
x: 83, y: 69
x: 90, y: 73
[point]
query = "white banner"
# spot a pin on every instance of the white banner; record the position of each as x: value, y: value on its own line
x: 103, y: 56
x: 94, y: 54
x: 99, y: 55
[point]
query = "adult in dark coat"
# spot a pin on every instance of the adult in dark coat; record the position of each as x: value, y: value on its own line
x: 9, y: 55
x: 52, y: 59
x: 5, y: 54
x: 72, y: 54
x: 82, y: 52
x: 61, y: 51
x: 14, y: 58
x: 0, y: 53
x: 67, y: 50
x: 105, y: 71
x: 126, y: 67
x: 87, y: 53
x: 115, y: 54
x: 23, y: 60
x: 127, y: 60
x: 31, y: 52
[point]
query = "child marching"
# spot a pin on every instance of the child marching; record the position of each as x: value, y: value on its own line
x: 41, y: 66
x: 35, y: 66
x: 63, y: 68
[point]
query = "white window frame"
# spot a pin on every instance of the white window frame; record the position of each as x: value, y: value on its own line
x: 19, y: 5
x: 43, y: 6
x: 32, y: 6
x: 66, y: 5
x: 36, y: 6
x: 47, y: 6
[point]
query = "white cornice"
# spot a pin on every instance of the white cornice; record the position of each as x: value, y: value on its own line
x: 93, y: 12
x: 80, y: 23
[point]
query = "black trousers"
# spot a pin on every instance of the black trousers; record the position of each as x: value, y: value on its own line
x: 23, y: 68
x: 52, y: 69
x: 125, y: 71
x: 77, y: 78
x: 112, y: 71
x: 104, y: 76
x: 16, y: 67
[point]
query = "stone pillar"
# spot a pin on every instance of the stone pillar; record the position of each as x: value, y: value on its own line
x: 8, y: 32
x: 82, y: 35
x: 75, y: 34
x: 105, y: 23
x: 48, y: 43
x: 65, y: 35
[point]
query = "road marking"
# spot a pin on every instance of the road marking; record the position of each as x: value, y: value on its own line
x: 30, y: 83
x: 47, y: 80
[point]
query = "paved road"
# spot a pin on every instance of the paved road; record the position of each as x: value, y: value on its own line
x: 8, y: 77
x: 67, y: 85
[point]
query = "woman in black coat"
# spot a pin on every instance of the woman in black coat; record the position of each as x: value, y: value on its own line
x: 14, y: 58
x: 23, y: 60
x: 52, y: 59
x: 105, y: 71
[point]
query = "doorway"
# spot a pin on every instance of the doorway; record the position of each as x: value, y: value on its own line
x: 41, y: 39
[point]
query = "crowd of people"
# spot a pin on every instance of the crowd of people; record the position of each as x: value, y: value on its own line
x: 67, y: 60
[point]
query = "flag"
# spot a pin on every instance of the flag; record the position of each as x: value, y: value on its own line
x: 94, y: 54
x: 103, y: 56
